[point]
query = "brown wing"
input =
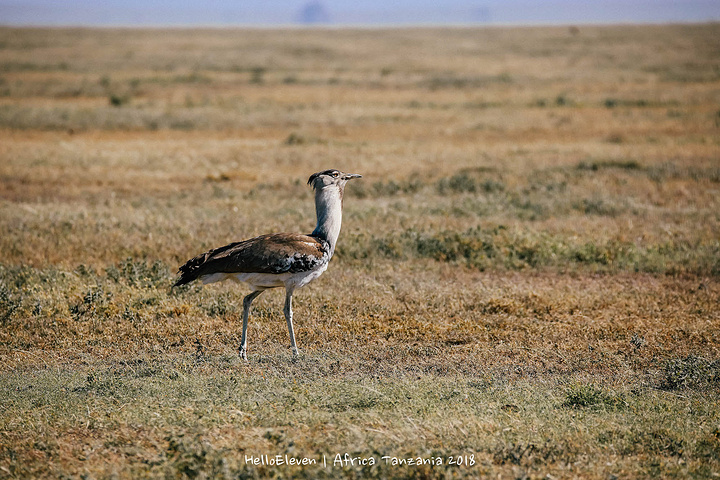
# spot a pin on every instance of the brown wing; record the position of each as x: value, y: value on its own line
x: 275, y: 253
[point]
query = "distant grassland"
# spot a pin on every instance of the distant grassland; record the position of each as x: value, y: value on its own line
x: 527, y: 274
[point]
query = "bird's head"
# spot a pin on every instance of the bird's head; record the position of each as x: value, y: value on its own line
x: 328, y: 178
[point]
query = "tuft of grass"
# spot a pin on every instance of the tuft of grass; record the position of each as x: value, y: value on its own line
x: 258, y: 75
x: 194, y: 457
x: 118, y: 100
x: 599, y: 206
x: 140, y: 273
x: 9, y: 303
x: 534, y: 454
x: 585, y: 395
x: 691, y: 372
x: 463, y: 182
x: 389, y: 188
x: 563, y: 100
x: 461, y: 82
x: 93, y: 303
x: 295, y: 139
x: 596, y: 165
x: 638, y: 103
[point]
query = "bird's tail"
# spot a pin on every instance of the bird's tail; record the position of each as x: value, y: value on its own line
x: 183, y: 280
x: 191, y: 270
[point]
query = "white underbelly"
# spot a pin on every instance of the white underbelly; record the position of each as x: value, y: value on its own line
x: 261, y: 281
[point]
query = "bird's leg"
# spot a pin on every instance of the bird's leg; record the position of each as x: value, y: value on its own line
x: 247, y: 301
x: 288, y: 316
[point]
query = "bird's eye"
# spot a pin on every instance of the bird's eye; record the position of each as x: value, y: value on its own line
x: 335, y: 174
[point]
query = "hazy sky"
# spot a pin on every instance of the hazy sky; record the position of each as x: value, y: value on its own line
x: 352, y: 12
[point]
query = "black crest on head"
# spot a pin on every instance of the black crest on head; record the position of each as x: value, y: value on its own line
x: 316, y: 175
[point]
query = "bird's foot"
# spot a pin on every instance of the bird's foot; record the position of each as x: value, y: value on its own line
x: 296, y: 352
x: 243, y: 353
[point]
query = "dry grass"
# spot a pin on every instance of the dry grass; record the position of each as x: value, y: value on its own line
x: 527, y: 275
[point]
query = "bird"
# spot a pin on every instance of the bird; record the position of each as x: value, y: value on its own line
x: 290, y: 260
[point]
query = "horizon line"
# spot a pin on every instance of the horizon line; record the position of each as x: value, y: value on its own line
x: 363, y: 26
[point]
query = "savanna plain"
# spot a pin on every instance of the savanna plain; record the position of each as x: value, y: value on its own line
x: 526, y: 282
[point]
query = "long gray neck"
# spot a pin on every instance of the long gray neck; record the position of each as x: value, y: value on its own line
x: 328, y: 206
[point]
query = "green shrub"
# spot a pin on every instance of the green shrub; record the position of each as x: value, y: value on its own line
x: 588, y: 395
x: 690, y: 372
x: 8, y: 303
x: 139, y: 273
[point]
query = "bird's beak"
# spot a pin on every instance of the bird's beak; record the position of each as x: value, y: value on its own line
x: 350, y: 176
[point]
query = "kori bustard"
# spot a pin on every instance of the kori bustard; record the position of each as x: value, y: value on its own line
x: 290, y: 260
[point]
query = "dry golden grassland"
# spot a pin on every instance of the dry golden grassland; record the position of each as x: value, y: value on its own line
x: 526, y: 281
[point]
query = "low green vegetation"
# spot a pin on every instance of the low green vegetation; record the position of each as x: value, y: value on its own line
x: 514, y: 249
x: 190, y: 415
